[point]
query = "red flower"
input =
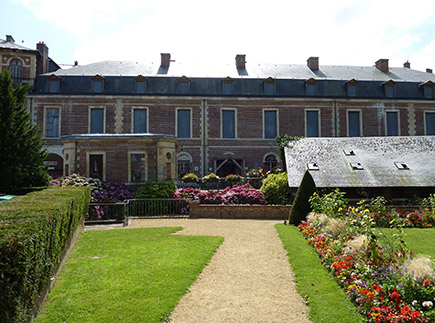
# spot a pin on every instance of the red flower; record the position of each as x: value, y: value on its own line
x: 395, y: 295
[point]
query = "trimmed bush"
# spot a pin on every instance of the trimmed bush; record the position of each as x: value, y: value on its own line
x: 275, y: 189
x: 301, y: 205
x: 34, y: 231
x: 156, y: 190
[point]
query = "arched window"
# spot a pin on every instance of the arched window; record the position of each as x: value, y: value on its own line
x: 184, y: 165
x: 16, y: 68
x: 270, y: 161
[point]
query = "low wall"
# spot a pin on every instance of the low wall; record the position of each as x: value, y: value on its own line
x: 219, y: 211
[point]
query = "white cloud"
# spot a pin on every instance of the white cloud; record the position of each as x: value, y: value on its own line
x: 340, y: 32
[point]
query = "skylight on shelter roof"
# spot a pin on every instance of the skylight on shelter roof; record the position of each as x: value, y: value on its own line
x: 349, y: 152
x: 401, y: 166
x: 313, y: 166
x: 356, y: 166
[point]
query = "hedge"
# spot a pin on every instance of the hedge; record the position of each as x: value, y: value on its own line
x: 34, y: 231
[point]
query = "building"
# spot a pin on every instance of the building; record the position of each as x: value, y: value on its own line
x: 221, y: 118
x: 398, y: 168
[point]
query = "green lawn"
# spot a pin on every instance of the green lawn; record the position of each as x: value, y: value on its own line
x: 419, y: 241
x: 326, y: 299
x: 132, y: 275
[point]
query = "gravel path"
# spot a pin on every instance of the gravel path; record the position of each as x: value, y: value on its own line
x: 249, y: 278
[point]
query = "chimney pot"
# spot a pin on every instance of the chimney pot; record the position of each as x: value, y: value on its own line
x: 382, y: 64
x: 241, y: 61
x: 10, y: 39
x: 313, y: 63
x: 407, y: 64
x: 165, y: 59
x: 428, y: 70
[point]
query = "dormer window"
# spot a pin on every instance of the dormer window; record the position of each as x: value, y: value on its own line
x: 228, y: 86
x: 53, y: 84
x: 98, y: 84
x: 184, y: 85
x: 428, y: 89
x: 269, y: 86
x: 311, y: 87
x: 140, y: 84
x: 352, y: 88
x: 402, y: 166
x: 389, y: 89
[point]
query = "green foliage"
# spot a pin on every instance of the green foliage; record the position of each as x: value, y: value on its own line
x: 275, y: 189
x: 155, y: 190
x: 333, y: 204
x: 282, y: 142
x: 21, y: 146
x: 133, y: 275
x: 212, y: 177
x: 190, y: 178
x: 34, y: 230
x: 301, y: 205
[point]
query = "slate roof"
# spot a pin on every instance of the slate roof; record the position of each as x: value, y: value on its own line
x: 377, y: 156
x: 252, y: 71
x: 9, y: 45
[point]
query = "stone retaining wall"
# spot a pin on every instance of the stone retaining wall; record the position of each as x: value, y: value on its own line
x: 219, y: 211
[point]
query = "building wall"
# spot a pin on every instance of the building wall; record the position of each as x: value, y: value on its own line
x: 206, y: 146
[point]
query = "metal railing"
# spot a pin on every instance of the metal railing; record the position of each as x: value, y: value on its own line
x: 144, y: 208
x: 107, y: 213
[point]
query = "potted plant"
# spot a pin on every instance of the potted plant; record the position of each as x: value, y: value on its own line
x: 233, y: 179
x: 190, y: 178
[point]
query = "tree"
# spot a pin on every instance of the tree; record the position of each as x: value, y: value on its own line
x: 282, y: 142
x: 301, y: 205
x: 21, y: 147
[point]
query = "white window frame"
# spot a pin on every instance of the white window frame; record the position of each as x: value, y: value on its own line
x: 268, y: 154
x: 318, y: 121
x: 360, y: 121
x: 176, y: 122
x: 44, y: 121
x: 134, y: 152
x: 132, y: 117
x: 88, y: 162
x: 89, y: 117
x: 264, y: 122
x: 398, y: 121
x: 186, y: 154
x: 222, y: 123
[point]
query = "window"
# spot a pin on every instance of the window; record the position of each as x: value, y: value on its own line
x: 52, y: 124
x: 98, y: 84
x: 392, y: 123
x: 140, y: 121
x: 183, y: 123
x: 390, y: 89
x: 353, y: 123
x: 53, y: 85
x: 428, y: 92
x: 312, y: 123
x: 228, y: 87
x: 183, y: 87
x: 228, y: 124
x: 269, y: 88
x: 96, y: 120
x: 351, y: 89
x: 140, y: 87
x: 96, y: 166
x: 184, y: 165
x: 270, y: 124
x: 430, y: 123
x: 137, y: 167
x: 16, y: 68
x: 270, y: 162
x: 311, y: 89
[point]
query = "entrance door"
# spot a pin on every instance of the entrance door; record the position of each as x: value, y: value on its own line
x: 96, y: 166
x: 226, y: 167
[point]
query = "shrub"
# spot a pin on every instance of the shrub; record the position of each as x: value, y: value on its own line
x: 332, y: 204
x: 301, y: 205
x: 34, y: 231
x: 190, y: 178
x: 275, y: 189
x: 154, y: 190
x: 234, y: 178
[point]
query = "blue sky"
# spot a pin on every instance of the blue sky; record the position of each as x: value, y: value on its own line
x: 340, y: 32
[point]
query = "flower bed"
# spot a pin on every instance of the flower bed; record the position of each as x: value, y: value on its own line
x: 386, y: 283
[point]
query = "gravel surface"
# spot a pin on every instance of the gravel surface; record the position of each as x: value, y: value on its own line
x: 249, y: 278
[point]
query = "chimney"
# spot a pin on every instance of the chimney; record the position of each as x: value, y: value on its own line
x: 428, y: 70
x: 10, y: 39
x: 407, y: 64
x: 382, y: 64
x: 313, y: 63
x: 43, y: 50
x: 241, y: 61
x: 165, y: 59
